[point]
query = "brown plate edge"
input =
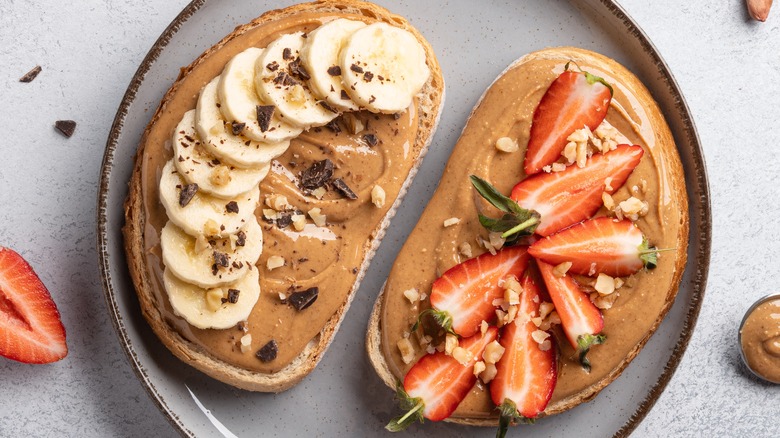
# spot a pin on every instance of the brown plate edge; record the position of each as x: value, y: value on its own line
x: 703, y: 214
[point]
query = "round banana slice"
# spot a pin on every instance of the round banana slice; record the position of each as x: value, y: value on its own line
x: 198, y: 166
x: 218, y: 135
x: 281, y: 79
x: 240, y: 103
x: 211, y: 263
x: 320, y: 55
x: 197, y: 212
x: 383, y: 67
x: 204, y: 309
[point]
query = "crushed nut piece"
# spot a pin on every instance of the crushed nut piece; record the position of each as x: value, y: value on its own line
x: 462, y: 355
x: 605, y: 284
x: 412, y: 295
x: 546, y: 345
x: 570, y: 152
x: 378, y: 196
x: 465, y: 250
x: 451, y: 221
x: 274, y: 262
x: 547, y: 168
x: 493, y: 352
x: 354, y: 125
x: 214, y: 299
x: 319, y: 192
x: 270, y: 214
x: 631, y: 205
x: 580, y: 135
x: 201, y: 244
x: 211, y: 228
x: 246, y: 342
x: 603, y: 302
x: 489, y: 373
x: 506, y: 144
x: 496, y: 241
x: 450, y: 343
x: 545, y: 309
x: 277, y: 202
x: 582, y: 154
x: 608, y: 184
x: 298, y: 221
x: 558, y: 167
x: 561, y: 269
x: 619, y: 282
x: 316, y: 215
x: 483, y: 327
x: 609, y: 203
x: 407, y: 350
x: 220, y: 175
x: 540, y: 336
x: 479, y: 367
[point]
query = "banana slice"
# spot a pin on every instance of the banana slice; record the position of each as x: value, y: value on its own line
x: 192, y: 302
x: 320, y: 55
x: 210, y: 264
x: 383, y: 67
x: 220, y: 140
x: 281, y: 80
x: 204, y: 214
x: 198, y: 166
x: 239, y: 101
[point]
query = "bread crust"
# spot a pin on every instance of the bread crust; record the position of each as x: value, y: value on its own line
x: 677, y: 181
x: 429, y: 103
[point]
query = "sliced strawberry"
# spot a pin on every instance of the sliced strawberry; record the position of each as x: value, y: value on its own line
x: 30, y: 326
x: 573, y: 195
x: 581, y: 320
x: 573, y: 101
x: 526, y: 375
x: 601, y: 245
x: 434, y: 387
x: 463, y: 296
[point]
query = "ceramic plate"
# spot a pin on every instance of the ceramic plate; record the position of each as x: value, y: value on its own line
x: 474, y: 41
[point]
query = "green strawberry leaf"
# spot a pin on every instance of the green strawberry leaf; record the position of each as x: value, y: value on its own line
x: 515, y: 223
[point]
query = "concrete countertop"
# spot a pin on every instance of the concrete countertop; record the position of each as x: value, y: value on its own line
x: 728, y: 68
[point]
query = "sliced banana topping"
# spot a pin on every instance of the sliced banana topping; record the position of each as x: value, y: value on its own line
x: 320, y: 55
x: 281, y: 79
x: 211, y: 262
x: 198, y: 166
x: 197, y: 212
x: 216, y: 308
x: 220, y: 140
x: 239, y: 101
x: 383, y: 67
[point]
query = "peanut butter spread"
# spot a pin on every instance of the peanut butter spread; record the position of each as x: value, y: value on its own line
x: 328, y: 257
x: 761, y: 340
x: 507, y: 110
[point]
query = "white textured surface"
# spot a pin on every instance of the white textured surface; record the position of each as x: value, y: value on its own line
x: 727, y: 67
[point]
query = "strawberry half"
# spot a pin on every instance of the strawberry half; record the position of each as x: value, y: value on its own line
x: 526, y: 375
x: 581, y: 320
x: 463, y: 296
x: 601, y: 245
x: 30, y: 326
x: 434, y: 387
x: 573, y: 101
x: 573, y: 195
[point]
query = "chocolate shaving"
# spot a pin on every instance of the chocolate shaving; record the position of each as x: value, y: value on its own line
x: 370, y: 139
x: 232, y: 297
x: 241, y: 238
x: 367, y: 76
x: 342, y: 187
x: 344, y: 95
x: 221, y: 259
x: 333, y: 125
x: 286, y: 53
x: 327, y: 106
x: 31, y: 75
x: 66, y: 127
x: 268, y: 352
x: 356, y: 68
x: 334, y: 70
x: 237, y: 127
x: 303, y: 299
x: 396, y: 116
x: 273, y: 66
x: 372, y: 99
x: 284, y: 79
x: 317, y: 175
x: 231, y: 207
x: 284, y: 220
x: 299, y: 71
x: 264, y: 115
x: 186, y: 194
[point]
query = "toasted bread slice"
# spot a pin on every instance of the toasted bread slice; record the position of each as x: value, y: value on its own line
x: 670, y: 229
x: 428, y: 105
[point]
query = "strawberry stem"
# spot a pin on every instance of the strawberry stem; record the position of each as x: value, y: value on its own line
x: 414, y: 413
x: 443, y: 319
x: 509, y: 416
x: 520, y: 227
x: 584, y: 342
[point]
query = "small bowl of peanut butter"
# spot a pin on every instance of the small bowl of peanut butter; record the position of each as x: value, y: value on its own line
x: 759, y: 338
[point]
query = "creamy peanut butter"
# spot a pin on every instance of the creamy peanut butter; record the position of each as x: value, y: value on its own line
x: 760, y: 336
x: 507, y: 111
x: 328, y: 257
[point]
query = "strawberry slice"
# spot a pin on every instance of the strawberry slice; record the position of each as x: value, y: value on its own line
x: 581, y: 320
x: 30, y: 326
x: 573, y: 195
x: 434, y: 387
x: 526, y: 375
x: 463, y: 296
x: 573, y: 101
x: 600, y: 245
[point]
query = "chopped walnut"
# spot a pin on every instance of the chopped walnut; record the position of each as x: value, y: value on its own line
x: 570, y: 152
x: 296, y: 95
x: 619, y: 282
x: 298, y: 221
x: 412, y: 295
x: 407, y: 350
x: 489, y: 373
x: 540, y: 336
x: 274, y: 262
x: 220, y: 176
x: 506, y: 144
x: 545, y: 309
x: 547, y: 168
x: 451, y: 221
x: 493, y: 352
x: 605, y: 284
x: 603, y: 302
x: 558, y: 167
x: 609, y: 203
x: 546, y: 345
x: 479, y: 367
x: 211, y: 228
x: 353, y: 124
x: 316, y: 215
x: 277, y: 202
x: 608, y: 184
x: 465, y: 250
x: 560, y: 270
x: 483, y: 327
x: 319, y: 192
x: 201, y: 244
x: 450, y: 343
x: 378, y: 196
x: 580, y: 135
x: 631, y: 206
x: 582, y: 154
x: 214, y: 299
x: 270, y: 214
x: 496, y: 241
x: 246, y: 343
x: 462, y: 355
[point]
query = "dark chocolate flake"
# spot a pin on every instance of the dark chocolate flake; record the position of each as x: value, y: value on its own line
x: 273, y: 66
x: 186, y: 194
x: 287, y: 53
x: 333, y: 125
x: 334, y: 70
x: 356, y: 68
x: 221, y: 259
x: 303, y: 299
x: 299, y: 71
x: 268, y: 352
x: 344, y: 95
x: 342, y: 187
x: 370, y: 139
x: 317, y: 175
x: 264, y: 115
x: 367, y: 76
x: 66, y: 127
x: 231, y: 207
x: 237, y: 128
x: 232, y: 297
x: 241, y: 238
x: 284, y: 79
x: 284, y: 220
x: 31, y: 75
x: 327, y: 106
